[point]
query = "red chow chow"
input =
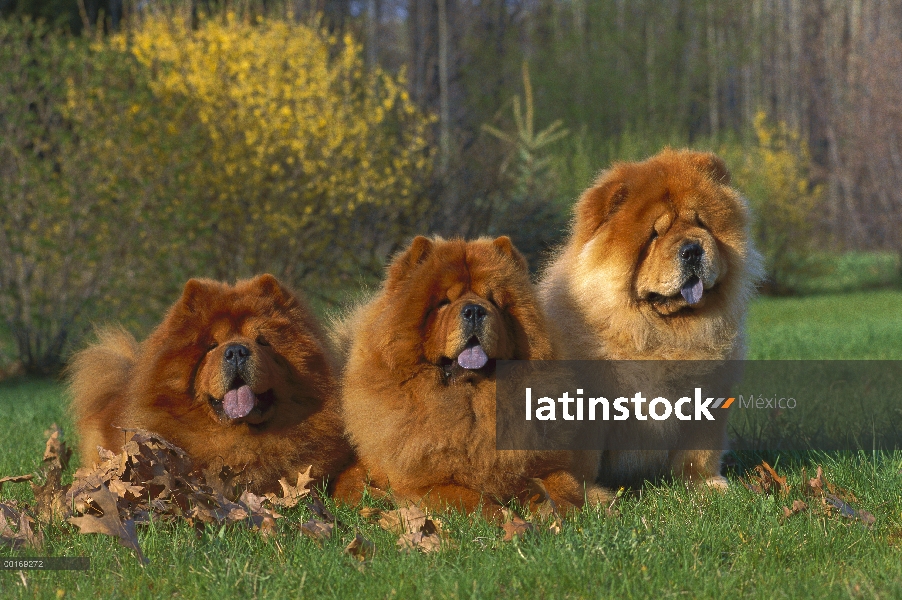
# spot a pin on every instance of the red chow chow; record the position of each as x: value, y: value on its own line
x: 419, y: 387
x: 659, y: 266
x: 234, y: 374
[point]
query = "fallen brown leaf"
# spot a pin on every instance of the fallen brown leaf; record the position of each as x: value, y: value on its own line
x: 797, y: 507
x: 319, y: 509
x: 390, y: 520
x: 417, y: 531
x: 866, y: 517
x: 820, y: 485
x: 257, y: 514
x: 412, y: 519
x: 427, y: 542
x: 221, y: 478
x: 51, y: 497
x: 834, y: 499
x: 368, y: 512
x: 848, y: 512
x: 266, y: 526
x: 55, y: 452
x: 318, y: 530
x: 126, y: 490
x: 360, y: 548
x: 292, y: 494
x: 765, y: 480
x: 15, y: 479
x: 151, y: 480
x: 24, y: 535
x: 516, y: 527
x: 109, y: 522
x: 816, y: 486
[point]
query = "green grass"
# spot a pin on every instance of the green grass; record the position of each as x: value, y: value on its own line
x: 856, y: 325
x: 851, y: 271
x: 667, y: 542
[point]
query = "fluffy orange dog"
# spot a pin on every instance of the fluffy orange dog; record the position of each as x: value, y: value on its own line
x: 240, y: 374
x: 419, y: 387
x: 659, y: 265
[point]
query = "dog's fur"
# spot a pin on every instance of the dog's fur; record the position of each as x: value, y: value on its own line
x: 424, y: 425
x: 614, y: 290
x: 174, y: 384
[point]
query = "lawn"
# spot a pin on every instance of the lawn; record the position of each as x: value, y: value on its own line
x: 850, y: 326
x: 666, y: 541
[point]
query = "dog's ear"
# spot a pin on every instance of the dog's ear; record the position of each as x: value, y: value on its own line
x: 420, y: 249
x: 711, y: 165
x: 194, y: 293
x: 269, y: 287
x: 506, y: 247
x: 598, y: 204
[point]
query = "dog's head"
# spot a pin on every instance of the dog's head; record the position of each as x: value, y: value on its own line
x: 458, y: 307
x: 665, y: 235
x: 248, y: 355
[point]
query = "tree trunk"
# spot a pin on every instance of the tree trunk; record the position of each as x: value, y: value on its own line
x: 713, y: 61
x: 444, y: 101
x: 372, y: 33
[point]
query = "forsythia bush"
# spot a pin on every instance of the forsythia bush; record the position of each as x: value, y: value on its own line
x: 774, y: 175
x: 297, y: 139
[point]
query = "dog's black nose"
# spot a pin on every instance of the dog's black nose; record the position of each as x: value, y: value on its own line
x: 691, y: 254
x: 236, y: 355
x: 473, y: 314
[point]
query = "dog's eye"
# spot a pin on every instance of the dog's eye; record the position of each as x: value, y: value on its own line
x: 654, y: 235
x: 262, y: 341
x: 211, y: 346
x: 443, y: 302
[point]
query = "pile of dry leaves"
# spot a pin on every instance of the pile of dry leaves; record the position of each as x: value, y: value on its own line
x: 152, y: 480
x: 819, y: 494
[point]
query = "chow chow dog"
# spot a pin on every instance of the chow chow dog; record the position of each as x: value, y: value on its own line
x: 419, y: 387
x: 236, y: 375
x: 659, y: 265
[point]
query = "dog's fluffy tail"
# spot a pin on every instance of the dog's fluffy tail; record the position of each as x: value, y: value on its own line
x: 343, y: 325
x: 99, y: 374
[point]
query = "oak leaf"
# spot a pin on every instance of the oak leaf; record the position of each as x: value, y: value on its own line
x: 109, y: 523
x: 24, y: 535
x: 292, y: 494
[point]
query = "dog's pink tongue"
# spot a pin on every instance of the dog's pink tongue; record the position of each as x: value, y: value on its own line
x: 473, y: 357
x: 692, y: 290
x: 239, y: 403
